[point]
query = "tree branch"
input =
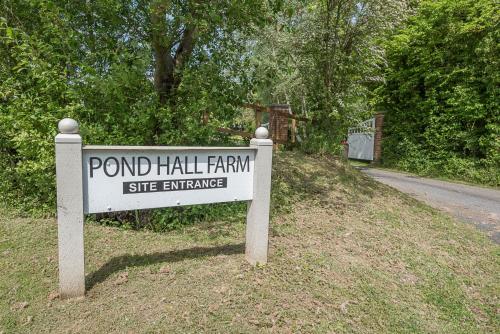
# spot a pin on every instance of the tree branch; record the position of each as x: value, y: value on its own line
x: 186, y: 46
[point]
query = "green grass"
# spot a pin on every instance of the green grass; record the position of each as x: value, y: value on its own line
x: 367, y: 164
x: 435, y: 176
x: 359, y: 163
x: 347, y: 255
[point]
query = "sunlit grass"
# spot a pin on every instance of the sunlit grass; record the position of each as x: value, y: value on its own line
x: 348, y: 256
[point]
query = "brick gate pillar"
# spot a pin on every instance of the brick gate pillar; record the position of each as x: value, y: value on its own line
x: 379, y: 125
x: 278, y: 122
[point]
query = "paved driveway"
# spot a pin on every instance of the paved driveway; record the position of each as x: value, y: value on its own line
x: 476, y: 205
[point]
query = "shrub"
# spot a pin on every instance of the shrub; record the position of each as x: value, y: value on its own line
x: 441, y: 92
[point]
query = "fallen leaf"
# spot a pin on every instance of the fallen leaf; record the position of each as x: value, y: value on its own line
x: 122, y: 278
x: 53, y: 295
x: 343, y: 306
x: 20, y: 306
x: 164, y: 270
x: 409, y: 279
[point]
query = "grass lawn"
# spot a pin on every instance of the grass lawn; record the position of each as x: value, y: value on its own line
x: 349, y: 256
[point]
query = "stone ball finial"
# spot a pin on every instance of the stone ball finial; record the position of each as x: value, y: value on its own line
x: 68, y: 125
x: 261, y: 133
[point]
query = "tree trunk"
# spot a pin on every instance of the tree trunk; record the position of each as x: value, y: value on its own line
x: 169, y: 69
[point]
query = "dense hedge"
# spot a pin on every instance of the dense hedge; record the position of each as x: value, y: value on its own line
x: 442, y: 92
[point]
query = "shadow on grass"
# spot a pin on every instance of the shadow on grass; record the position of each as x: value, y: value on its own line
x: 122, y: 262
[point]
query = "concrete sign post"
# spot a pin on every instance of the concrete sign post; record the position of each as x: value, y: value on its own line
x: 93, y: 179
x: 70, y: 209
x: 258, y: 209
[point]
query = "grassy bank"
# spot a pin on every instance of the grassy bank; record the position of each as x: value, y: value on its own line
x: 366, y: 164
x: 350, y: 256
x: 472, y: 171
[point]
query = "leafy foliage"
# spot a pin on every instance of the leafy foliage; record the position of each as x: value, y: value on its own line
x: 442, y: 92
x: 147, y: 71
x: 93, y: 61
x: 323, y: 58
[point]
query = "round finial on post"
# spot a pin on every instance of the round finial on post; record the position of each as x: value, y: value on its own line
x: 261, y: 133
x: 68, y: 125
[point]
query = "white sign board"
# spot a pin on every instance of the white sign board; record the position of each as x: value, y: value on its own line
x: 94, y: 179
x: 119, y: 178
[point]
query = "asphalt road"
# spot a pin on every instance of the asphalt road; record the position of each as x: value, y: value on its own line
x: 476, y: 205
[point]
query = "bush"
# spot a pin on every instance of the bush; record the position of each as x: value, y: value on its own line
x: 441, y: 92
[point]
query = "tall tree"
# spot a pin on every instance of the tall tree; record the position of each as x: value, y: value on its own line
x: 323, y: 57
x: 183, y: 29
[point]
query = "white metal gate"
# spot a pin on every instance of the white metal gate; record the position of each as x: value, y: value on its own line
x: 361, y: 140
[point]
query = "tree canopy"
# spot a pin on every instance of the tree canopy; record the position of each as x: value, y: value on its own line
x: 149, y: 71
